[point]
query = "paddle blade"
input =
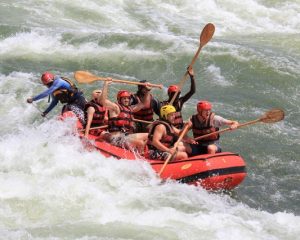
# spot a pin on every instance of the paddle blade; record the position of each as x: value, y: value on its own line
x: 274, y: 115
x: 85, y: 77
x: 207, y: 33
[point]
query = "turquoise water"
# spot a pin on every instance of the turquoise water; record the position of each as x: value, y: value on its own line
x: 51, y: 188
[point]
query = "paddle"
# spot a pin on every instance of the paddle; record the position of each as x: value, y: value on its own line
x: 272, y: 116
x: 142, y: 121
x: 36, y: 107
x: 206, y: 34
x: 87, y: 77
x: 93, y: 128
x: 182, y: 134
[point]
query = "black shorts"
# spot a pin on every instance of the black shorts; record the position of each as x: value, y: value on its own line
x: 201, y: 148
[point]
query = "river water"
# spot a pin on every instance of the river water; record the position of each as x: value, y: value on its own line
x: 51, y: 188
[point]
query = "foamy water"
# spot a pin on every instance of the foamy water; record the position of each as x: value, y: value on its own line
x: 52, y: 188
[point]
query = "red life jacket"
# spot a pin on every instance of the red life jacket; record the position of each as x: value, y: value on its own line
x: 98, y: 116
x: 203, y: 127
x: 178, y: 121
x: 168, y: 140
x: 145, y: 113
x: 123, y: 122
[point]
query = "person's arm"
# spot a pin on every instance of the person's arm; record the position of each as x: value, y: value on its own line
x: 220, y: 121
x: 103, y: 100
x: 188, y: 95
x: 51, y: 106
x: 90, y: 115
x: 141, y: 104
x: 56, y: 85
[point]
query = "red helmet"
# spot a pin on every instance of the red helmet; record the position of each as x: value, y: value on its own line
x: 203, y: 106
x: 173, y: 88
x: 123, y: 93
x: 47, y: 78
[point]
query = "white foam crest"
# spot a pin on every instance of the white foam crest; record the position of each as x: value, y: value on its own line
x: 230, y: 16
x: 282, y: 64
x: 37, y: 45
x: 15, y: 111
x: 250, y: 16
x: 217, y: 77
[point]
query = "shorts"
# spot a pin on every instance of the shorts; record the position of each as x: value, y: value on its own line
x: 201, y: 148
x: 157, y: 154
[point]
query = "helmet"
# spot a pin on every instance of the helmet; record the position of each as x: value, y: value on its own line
x: 47, y: 78
x: 203, y: 106
x: 165, y: 110
x: 172, y: 89
x: 123, y: 93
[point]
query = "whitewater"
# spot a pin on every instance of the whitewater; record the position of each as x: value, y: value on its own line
x: 52, y: 188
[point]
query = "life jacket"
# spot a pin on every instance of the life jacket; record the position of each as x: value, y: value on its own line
x: 145, y: 113
x: 98, y: 116
x: 168, y: 140
x: 66, y: 95
x: 123, y: 122
x: 204, y: 127
x: 178, y: 121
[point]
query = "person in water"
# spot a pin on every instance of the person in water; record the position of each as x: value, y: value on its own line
x: 120, y: 119
x: 61, y: 90
x: 151, y: 105
x: 96, y: 115
x: 163, y: 135
x: 179, y: 101
x: 206, y: 122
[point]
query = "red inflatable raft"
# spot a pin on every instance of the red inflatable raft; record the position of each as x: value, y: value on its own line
x: 219, y: 171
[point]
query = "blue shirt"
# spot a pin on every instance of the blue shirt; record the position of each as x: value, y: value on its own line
x: 57, y: 84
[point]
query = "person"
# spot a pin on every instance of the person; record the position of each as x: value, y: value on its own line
x: 120, y: 119
x: 147, y: 112
x: 179, y: 101
x: 163, y: 135
x: 205, y: 122
x: 61, y: 90
x: 96, y: 115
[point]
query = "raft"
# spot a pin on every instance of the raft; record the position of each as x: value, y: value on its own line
x: 220, y: 171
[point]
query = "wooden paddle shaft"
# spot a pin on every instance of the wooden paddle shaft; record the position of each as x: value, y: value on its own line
x: 228, y: 129
x: 87, y: 77
x: 93, y: 128
x: 205, y: 37
x: 137, y: 83
x: 182, y: 134
x: 142, y: 121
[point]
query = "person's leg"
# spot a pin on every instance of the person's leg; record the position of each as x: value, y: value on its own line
x: 78, y: 112
x: 137, y: 140
x: 181, y: 155
x: 212, y: 149
x: 104, y: 136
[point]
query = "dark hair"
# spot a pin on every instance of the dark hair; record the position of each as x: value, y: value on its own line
x: 140, y: 87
